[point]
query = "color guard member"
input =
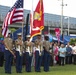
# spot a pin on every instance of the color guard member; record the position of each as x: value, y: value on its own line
x: 46, y: 44
x: 19, y: 55
x: 28, y: 53
x: 38, y: 49
x: 8, y: 42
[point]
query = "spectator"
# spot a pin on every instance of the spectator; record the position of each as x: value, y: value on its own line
x: 62, y: 54
x: 68, y: 54
x: 55, y: 51
x: 74, y: 53
x: 2, y: 48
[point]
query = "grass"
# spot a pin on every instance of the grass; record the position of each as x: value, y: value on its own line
x: 54, y: 70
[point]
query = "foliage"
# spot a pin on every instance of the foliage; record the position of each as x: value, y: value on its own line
x: 12, y: 29
x: 72, y: 41
x: 0, y: 33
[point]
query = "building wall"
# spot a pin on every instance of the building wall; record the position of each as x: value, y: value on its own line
x: 52, y: 21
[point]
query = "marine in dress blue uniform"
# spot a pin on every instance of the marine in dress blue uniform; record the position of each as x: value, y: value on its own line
x: 46, y: 45
x: 38, y: 49
x: 8, y: 53
x: 28, y: 53
x: 19, y: 51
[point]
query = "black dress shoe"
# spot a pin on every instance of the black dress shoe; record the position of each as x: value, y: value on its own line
x: 19, y: 72
x: 8, y: 72
x: 46, y: 70
x: 28, y: 71
x: 38, y: 71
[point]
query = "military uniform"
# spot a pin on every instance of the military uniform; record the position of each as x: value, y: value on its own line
x: 28, y: 53
x: 19, y: 55
x: 38, y: 49
x: 46, y: 55
x: 8, y: 56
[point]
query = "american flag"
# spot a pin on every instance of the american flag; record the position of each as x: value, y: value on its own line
x: 14, y: 15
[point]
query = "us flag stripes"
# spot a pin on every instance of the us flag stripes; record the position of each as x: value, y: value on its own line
x: 14, y: 15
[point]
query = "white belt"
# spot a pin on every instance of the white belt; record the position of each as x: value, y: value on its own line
x: 6, y: 49
x: 27, y: 50
x: 17, y: 49
x: 37, y: 49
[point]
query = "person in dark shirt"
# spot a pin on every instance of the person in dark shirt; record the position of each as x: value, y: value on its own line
x: 68, y: 54
x: 2, y: 48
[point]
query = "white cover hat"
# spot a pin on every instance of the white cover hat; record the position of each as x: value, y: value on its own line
x: 19, y: 33
x: 27, y: 35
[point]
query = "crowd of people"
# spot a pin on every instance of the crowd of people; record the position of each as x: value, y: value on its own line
x: 37, y: 53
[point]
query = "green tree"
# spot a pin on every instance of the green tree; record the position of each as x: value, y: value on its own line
x: 12, y: 29
x: 73, y: 41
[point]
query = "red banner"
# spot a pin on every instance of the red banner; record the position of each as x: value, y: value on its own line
x: 33, y: 30
x: 39, y: 15
x: 37, y: 19
x: 57, y: 32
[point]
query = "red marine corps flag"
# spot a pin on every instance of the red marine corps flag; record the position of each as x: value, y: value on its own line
x: 14, y: 15
x: 37, y: 19
x: 33, y: 30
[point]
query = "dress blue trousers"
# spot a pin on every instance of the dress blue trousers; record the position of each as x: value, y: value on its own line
x: 28, y: 61
x: 46, y: 60
x: 38, y: 60
x: 18, y: 62
x: 8, y: 61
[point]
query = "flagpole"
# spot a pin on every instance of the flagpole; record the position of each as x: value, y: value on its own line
x: 31, y: 15
x: 31, y: 20
x: 32, y: 9
x: 40, y: 12
x: 23, y: 21
x: 22, y: 29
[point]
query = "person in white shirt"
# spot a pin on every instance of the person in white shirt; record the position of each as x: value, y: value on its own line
x: 74, y: 53
x: 62, y: 54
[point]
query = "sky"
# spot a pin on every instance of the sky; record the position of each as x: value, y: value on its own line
x: 50, y: 6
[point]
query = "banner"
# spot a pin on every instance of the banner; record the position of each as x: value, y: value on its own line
x: 38, y: 19
x: 57, y: 32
